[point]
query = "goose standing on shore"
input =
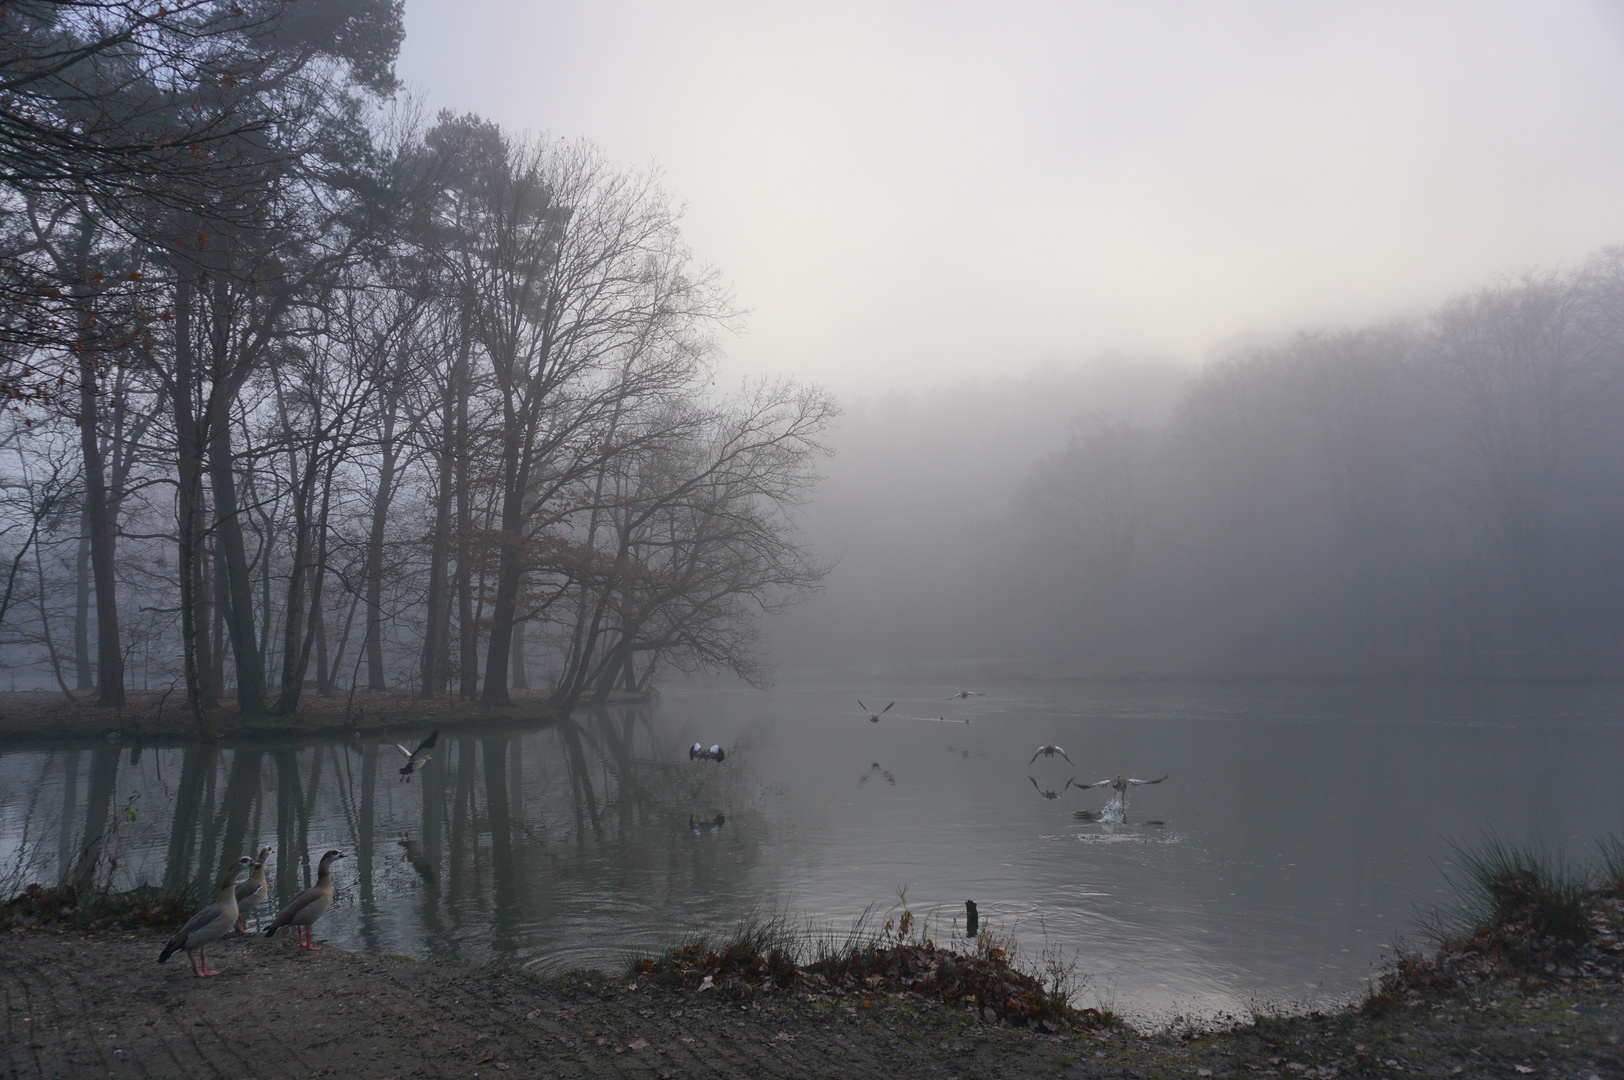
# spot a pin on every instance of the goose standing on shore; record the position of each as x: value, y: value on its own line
x: 416, y: 759
x: 208, y: 925
x: 252, y: 893
x: 310, y: 905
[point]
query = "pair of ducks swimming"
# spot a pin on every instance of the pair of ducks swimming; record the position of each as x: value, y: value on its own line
x: 236, y: 898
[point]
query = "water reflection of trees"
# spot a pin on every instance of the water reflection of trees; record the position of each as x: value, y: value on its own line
x: 510, y: 843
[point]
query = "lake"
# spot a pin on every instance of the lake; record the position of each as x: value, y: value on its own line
x: 1300, y: 828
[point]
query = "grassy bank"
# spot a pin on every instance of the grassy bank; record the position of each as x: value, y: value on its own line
x: 38, y: 716
x: 1520, y: 977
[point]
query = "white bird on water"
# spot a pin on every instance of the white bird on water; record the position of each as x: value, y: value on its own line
x: 1050, y: 750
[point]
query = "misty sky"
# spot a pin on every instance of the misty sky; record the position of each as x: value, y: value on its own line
x: 911, y: 193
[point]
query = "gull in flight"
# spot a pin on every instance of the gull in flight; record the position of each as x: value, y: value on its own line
x: 696, y: 752
x: 873, y: 717
x: 1051, y: 794
x: 416, y: 759
x: 1050, y: 750
x: 966, y: 695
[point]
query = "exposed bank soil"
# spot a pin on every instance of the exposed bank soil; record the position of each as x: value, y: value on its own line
x: 97, y: 1005
x: 36, y: 715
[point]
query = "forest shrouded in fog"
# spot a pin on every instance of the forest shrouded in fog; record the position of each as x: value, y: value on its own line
x: 309, y: 390
x: 1434, y: 495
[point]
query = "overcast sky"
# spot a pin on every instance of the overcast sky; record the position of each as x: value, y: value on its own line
x: 912, y: 193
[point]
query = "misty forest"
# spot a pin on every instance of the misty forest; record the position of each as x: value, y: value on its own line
x: 337, y: 422
x: 311, y: 392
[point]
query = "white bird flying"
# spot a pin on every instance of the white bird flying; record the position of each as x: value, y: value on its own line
x: 696, y: 752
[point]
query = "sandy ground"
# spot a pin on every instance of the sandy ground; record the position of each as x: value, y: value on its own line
x: 98, y: 1006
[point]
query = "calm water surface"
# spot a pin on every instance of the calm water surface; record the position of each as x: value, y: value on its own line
x: 1300, y: 827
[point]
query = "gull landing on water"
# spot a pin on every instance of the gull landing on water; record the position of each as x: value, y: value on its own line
x: 696, y: 752
x: 416, y: 759
x: 1116, y: 811
x: 873, y: 717
x: 1050, y: 750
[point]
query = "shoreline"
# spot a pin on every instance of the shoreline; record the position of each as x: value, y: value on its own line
x: 95, y: 1004
x: 45, y: 718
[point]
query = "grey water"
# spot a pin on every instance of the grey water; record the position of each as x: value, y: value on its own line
x: 1301, y: 829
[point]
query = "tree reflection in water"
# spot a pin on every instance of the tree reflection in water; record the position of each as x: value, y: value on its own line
x: 513, y: 844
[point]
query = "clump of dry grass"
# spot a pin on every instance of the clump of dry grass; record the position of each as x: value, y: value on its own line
x: 899, y: 957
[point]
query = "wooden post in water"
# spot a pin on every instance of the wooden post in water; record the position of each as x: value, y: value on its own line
x: 971, y: 919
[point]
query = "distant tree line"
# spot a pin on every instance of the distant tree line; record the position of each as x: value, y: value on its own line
x: 303, y: 392
x: 1443, y: 496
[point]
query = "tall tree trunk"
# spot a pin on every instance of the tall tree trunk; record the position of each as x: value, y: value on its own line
x: 83, y: 673
x: 374, y: 568
x: 99, y: 527
x: 189, y: 501
x: 468, y: 645
x: 238, y: 603
x: 437, y: 620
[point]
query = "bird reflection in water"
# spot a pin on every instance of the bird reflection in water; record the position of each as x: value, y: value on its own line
x: 702, y: 826
x: 418, y: 856
x: 876, y: 767
x: 1050, y: 794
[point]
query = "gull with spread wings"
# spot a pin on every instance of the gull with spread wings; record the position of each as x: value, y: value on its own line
x: 873, y: 717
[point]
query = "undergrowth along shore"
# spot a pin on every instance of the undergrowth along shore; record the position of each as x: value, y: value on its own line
x: 984, y: 973
x: 1524, y: 920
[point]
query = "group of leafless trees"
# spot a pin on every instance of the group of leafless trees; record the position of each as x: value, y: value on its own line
x: 1441, y: 495
x: 304, y: 391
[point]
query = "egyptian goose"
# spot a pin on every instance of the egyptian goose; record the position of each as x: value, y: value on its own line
x: 209, y: 925
x: 252, y: 893
x: 966, y: 695
x: 416, y: 759
x: 309, y: 905
x: 873, y: 717
x: 1050, y: 750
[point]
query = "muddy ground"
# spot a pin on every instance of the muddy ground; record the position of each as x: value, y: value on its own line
x: 97, y: 1005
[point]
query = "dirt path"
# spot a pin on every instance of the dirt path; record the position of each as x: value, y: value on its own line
x: 98, y: 1006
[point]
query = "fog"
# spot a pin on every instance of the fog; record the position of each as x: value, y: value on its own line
x: 1437, y: 495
